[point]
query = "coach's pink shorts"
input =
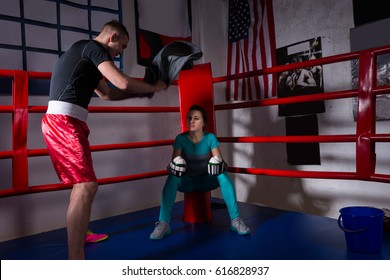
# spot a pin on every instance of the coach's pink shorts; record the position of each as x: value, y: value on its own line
x: 67, y: 142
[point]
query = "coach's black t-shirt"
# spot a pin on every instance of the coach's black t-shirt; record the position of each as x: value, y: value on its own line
x: 76, y: 75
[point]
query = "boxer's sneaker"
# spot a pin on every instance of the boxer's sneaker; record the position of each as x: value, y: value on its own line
x: 239, y: 226
x: 161, y: 230
x: 91, y: 237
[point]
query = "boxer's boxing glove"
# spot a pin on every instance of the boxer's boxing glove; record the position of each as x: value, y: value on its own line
x: 177, y: 166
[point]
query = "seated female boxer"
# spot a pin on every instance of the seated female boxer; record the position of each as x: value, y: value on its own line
x: 192, y: 169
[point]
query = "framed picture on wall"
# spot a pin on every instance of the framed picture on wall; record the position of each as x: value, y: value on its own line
x: 372, y: 33
x: 301, y: 81
x: 382, y: 79
x: 301, y: 118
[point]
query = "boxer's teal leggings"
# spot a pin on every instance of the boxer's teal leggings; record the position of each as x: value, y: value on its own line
x: 204, y: 183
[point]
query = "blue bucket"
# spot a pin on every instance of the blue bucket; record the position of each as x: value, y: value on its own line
x: 363, y: 228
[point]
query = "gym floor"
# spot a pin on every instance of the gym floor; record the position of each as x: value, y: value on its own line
x: 276, y: 235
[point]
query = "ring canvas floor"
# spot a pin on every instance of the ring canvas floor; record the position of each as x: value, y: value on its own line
x: 276, y: 235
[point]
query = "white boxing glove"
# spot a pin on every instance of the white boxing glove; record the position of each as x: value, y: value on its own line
x: 177, y: 166
x: 216, y: 165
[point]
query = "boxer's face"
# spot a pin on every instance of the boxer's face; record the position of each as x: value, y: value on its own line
x: 195, y: 121
x: 117, y: 44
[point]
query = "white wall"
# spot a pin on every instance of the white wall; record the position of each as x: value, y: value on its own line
x: 294, y: 21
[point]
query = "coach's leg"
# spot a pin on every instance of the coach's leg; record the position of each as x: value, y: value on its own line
x: 78, y: 216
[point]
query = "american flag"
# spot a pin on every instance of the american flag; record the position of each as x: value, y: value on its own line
x: 251, y: 47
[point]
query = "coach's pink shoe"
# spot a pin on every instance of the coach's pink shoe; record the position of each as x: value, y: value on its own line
x: 91, y: 237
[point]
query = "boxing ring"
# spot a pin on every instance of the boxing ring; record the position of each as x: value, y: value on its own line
x: 197, y: 206
x: 364, y: 139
